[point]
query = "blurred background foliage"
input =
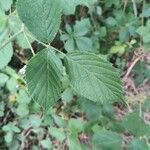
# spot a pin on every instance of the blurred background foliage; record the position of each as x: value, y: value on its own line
x: 119, y: 30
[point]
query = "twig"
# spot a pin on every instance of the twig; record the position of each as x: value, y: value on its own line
x: 5, y: 118
x: 22, y: 61
x: 134, y: 8
x: 131, y: 67
x: 142, y: 11
x: 125, y: 5
x: 140, y: 109
x: 25, y: 134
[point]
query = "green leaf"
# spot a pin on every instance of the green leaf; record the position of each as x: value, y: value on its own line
x: 9, y: 137
x: 93, y: 77
x: 84, y: 43
x: 70, y: 44
x: 147, y: 104
x: 102, y: 32
x: 57, y: 133
x: 67, y: 95
x: 5, y: 55
x: 110, y: 3
x: 99, y: 10
x: 43, y: 76
x: 61, y: 122
x: 11, y: 127
x: 3, y: 27
x: 124, y: 35
x: 46, y: 144
x: 107, y: 140
x: 33, y: 120
x: 15, y: 25
x: 144, y: 32
x: 146, y: 12
x: 108, y: 110
x: 75, y: 39
x: 84, y: 24
x: 118, y: 48
x: 75, y: 126
x: 110, y: 21
x: 42, y: 17
x: 2, y: 109
x: 3, y: 79
x: 12, y: 85
x: 22, y: 110
x: 146, y: 38
x: 136, y: 125
x: 137, y: 145
x: 68, y: 29
x: 23, y: 97
x: 92, y: 109
x: 73, y: 142
x: 69, y: 6
x: 6, y: 4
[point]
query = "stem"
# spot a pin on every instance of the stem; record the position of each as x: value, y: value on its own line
x: 60, y: 32
x: 142, y: 12
x: 93, y: 21
x: 11, y: 39
x: 38, y: 40
x: 125, y: 5
x: 146, y: 139
x: 48, y: 46
x: 57, y: 50
x: 140, y: 109
x: 32, y: 51
x: 131, y: 67
x: 129, y: 108
x: 134, y: 8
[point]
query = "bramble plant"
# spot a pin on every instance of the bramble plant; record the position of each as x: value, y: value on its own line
x: 74, y: 74
x: 90, y: 75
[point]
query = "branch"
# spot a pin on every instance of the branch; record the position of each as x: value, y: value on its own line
x: 46, y: 45
x: 131, y: 66
x: 134, y: 8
